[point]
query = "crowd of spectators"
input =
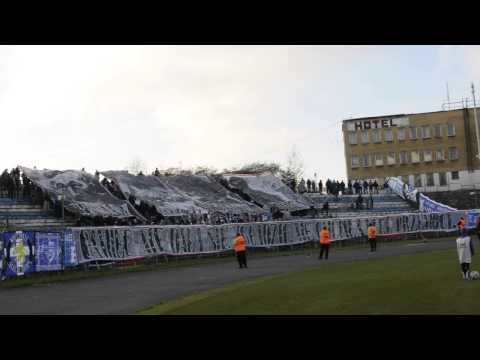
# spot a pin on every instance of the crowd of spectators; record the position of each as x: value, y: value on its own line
x: 335, y: 187
x: 14, y: 184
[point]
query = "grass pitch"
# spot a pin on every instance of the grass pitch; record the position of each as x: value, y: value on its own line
x: 426, y: 283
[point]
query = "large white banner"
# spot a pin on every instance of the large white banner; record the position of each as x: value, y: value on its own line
x: 117, y: 243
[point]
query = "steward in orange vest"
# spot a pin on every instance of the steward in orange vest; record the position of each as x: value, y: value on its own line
x: 324, y: 243
x: 240, y: 247
x: 372, y: 237
x: 461, y: 225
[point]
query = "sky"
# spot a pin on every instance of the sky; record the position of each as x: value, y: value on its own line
x: 104, y: 107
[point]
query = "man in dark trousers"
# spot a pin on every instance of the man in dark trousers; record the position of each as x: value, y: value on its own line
x: 240, y: 247
x: 477, y: 227
x: 324, y: 243
x: 372, y: 237
x: 320, y: 186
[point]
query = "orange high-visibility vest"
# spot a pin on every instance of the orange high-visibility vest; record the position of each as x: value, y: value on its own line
x: 325, y: 237
x: 239, y: 244
x: 372, y: 232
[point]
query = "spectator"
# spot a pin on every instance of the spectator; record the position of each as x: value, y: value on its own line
x: 349, y: 187
x: 320, y: 186
x: 359, y: 201
x: 314, y: 187
x: 370, y: 186
x: 309, y: 185
x: 325, y: 207
x: 375, y: 186
x: 156, y: 173
x: 365, y: 186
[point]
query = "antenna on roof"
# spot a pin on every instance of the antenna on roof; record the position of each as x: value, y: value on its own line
x: 448, y: 94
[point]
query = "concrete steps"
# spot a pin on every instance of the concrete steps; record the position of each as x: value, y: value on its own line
x: 21, y: 214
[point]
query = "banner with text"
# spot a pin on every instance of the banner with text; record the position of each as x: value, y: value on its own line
x: 119, y: 243
x: 429, y: 205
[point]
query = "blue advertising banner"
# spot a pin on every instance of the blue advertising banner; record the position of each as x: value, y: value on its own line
x: 69, y: 250
x: 472, y: 216
x: 48, y: 251
x: 19, y: 253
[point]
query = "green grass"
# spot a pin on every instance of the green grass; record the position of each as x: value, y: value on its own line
x: 426, y: 283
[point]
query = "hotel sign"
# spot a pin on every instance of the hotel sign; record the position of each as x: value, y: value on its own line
x: 358, y: 125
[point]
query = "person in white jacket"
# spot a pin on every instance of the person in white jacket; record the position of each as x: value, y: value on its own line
x: 465, y: 252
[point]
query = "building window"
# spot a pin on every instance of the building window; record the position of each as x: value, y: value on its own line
x: 430, y: 181
x: 426, y: 132
x: 403, y: 157
x: 365, y: 139
x: 415, y: 156
x: 387, y: 135
x: 352, y: 138
x: 427, y: 155
x: 376, y: 136
x: 442, y: 177
x: 455, y: 175
x: 355, y: 161
x: 437, y: 129
x: 418, y: 180
x: 451, y: 129
x: 378, y: 159
x: 391, y: 158
x: 452, y: 153
x: 439, y: 155
x: 366, y: 160
x: 413, y: 133
x: 401, y: 133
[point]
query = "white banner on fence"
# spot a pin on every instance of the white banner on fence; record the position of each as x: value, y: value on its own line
x: 118, y: 243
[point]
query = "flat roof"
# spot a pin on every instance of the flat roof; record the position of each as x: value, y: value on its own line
x: 398, y: 115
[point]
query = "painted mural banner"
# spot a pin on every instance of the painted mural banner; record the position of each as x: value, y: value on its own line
x: 19, y: 253
x: 429, y: 205
x: 405, y: 191
x: 471, y: 219
x: 69, y: 250
x: 120, y: 243
x: 48, y: 255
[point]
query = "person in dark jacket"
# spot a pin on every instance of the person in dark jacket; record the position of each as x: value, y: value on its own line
x: 320, y: 186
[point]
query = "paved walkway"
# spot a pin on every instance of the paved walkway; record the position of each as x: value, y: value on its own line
x: 127, y: 293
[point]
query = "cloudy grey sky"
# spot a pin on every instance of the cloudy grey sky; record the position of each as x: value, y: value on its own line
x: 99, y: 107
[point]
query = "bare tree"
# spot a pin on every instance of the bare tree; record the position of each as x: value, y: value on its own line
x: 294, y: 169
x: 136, y: 165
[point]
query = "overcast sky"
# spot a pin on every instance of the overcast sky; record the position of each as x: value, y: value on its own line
x: 99, y: 107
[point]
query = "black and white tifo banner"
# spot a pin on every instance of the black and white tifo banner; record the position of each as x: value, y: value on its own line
x: 119, y: 243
